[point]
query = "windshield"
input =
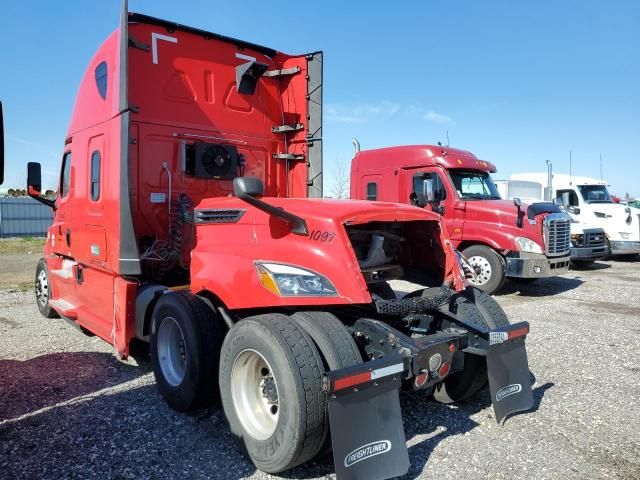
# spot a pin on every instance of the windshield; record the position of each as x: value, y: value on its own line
x: 595, y: 193
x: 474, y: 184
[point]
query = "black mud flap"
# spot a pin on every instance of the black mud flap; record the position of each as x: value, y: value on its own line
x: 366, y: 422
x: 508, y: 370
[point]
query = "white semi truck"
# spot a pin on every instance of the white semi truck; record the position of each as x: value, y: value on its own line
x: 590, y: 206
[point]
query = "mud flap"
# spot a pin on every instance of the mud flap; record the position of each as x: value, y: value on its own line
x: 509, y: 379
x: 366, y: 422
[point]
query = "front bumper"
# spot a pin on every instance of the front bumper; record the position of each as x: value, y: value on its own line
x: 534, y: 265
x: 624, y: 247
x: 588, y: 253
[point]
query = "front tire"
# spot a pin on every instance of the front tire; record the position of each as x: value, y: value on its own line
x: 271, y: 390
x: 489, y: 267
x: 480, y: 308
x: 43, y: 290
x: 186, y: 338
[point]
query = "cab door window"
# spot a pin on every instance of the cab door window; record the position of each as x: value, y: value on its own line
x: 65, y: 175
x: 573, y: 197
x: 419, y: 188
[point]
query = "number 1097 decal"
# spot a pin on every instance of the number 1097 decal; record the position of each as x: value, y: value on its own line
x: 320, y: 236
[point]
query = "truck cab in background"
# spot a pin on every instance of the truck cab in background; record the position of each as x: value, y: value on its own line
x: 588, y: 200
x: 499, y: 238
x: 588, y: 241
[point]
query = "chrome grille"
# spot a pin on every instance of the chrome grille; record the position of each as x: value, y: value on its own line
x: 594, y: 238
x: 557, y: 234
x: 224, y: 215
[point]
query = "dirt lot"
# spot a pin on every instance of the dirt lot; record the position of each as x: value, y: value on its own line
x: 70, y: 409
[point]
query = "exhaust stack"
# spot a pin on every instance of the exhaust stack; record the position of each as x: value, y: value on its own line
x: 356, y: 146
x: 549, y: 193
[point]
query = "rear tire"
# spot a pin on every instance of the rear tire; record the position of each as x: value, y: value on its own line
x: 335, y: 344
x: 186, y: 338
x: 269, y: 361
x: 43, y: 290
x: 489, y: 267
x: 480, y: 308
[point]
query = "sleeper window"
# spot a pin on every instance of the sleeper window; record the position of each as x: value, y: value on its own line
x: 95, y: 175
x: 372, y: 191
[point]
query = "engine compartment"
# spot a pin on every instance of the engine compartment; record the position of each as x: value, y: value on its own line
x: 410, y: 251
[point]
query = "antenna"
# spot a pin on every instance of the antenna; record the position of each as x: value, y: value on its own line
x: 600, y: 166
x: 570, y: 169
x: 447, y: 138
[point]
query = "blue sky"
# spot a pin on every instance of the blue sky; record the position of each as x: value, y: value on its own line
x: 515, y: 82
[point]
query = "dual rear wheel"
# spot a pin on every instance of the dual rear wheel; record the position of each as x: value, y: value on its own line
x: 269, y: 371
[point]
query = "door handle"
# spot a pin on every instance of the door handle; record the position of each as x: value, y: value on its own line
x: 68, y: 237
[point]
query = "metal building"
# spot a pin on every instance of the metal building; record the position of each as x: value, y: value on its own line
x: 23, y: 217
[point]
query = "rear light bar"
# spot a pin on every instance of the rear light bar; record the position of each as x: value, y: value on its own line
x: 514, y: 331
x: 376, y: 370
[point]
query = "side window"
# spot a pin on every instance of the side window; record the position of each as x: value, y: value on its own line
x: 573, y: 197
x: 65, y: 175
x: 101, y: 79
x: 372, y: 191
x: 439, y: 190
x: 95, y: 176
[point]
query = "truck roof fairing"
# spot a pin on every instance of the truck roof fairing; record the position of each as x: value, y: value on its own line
x: 414, y: 156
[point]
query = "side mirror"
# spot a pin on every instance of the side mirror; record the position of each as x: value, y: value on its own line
x: 427, y: 187
x: 1, y: 145
x: 34, y: 184
x: 574, y: 210
x: 518, y: 204
x: 247, y: 187
x: 34, y: 178
x: 565, y: 200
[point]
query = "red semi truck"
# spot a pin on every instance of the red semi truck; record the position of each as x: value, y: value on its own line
x: 186, y: 218
x: 498, y: 238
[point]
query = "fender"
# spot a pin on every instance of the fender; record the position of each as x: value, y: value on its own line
x: 145, y: 301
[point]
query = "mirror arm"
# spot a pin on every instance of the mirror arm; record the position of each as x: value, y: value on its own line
x: 297, y: 224
x: 36, y: 196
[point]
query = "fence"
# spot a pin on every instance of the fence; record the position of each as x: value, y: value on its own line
x: 23, y: 217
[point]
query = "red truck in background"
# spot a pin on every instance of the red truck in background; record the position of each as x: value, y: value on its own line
x: 500, y: 239
x: 187, y: 218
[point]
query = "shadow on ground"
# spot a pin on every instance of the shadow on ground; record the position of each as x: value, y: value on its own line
x: 586, y: 267
x: 129, y: 432
x: 543, y: 287
x: 29, y: 385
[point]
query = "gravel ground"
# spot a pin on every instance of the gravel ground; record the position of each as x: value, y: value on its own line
x: 70, y: 409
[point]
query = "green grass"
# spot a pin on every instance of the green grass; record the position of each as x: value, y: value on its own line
x: 21, y: 245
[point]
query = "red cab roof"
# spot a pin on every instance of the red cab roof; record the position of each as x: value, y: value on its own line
x: 411, y: 156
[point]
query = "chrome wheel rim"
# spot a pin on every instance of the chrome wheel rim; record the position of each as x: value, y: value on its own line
x: 482, y: 267
x: 42, y: 288
x: 254, y: 391
x: 172, y: 351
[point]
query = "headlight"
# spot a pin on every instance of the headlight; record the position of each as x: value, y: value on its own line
x: 525, y: 244
x: 289, y: 281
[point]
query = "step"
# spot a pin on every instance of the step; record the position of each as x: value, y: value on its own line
x: 64, y: 307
